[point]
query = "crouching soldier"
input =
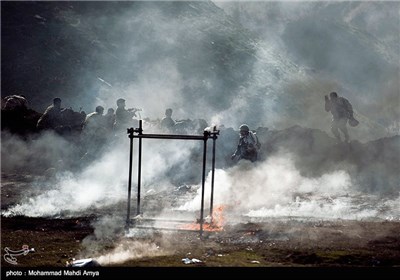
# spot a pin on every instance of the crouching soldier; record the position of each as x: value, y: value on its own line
x: 248, y: 145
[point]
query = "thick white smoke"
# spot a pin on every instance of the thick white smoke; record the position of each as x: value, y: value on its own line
x: 110, y: 245
x: 275, y: 188
x: 129, y: 250
x: 99, y: 184
x: 104, y: 181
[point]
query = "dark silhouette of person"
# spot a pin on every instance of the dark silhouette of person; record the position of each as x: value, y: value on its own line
x: 51, y: 118
x: 110, y: 119
x: 167, y: 123
x: 95, y: 121
x: 123, y: 117
x: 342, y: 111
x: 95, y: 132
x: 15, y: 102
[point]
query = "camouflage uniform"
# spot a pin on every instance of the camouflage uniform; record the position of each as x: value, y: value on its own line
x: 247, y: 147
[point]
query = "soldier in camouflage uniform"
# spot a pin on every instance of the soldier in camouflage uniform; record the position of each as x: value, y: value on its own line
x: 248, y: 145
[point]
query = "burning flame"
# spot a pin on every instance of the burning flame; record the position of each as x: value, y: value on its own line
x: 210, y: 224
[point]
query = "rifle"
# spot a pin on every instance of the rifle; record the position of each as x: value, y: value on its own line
x: 134, y: 109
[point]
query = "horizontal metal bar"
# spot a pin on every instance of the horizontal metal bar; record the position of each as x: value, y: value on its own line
x: 167, y: 228
x: 163, y: 220
x: 171, y: 136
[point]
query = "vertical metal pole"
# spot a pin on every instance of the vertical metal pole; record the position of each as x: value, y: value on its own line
x: 140, y: 131
x: 212, y: 176
x: 130, y: 132
x: 203, y: 181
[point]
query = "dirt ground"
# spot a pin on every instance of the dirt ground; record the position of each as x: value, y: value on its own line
x: 270, y: 243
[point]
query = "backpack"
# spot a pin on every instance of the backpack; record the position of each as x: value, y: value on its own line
x: 348, y: 107
x: 255, y: 138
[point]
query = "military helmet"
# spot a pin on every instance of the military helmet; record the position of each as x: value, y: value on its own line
x: 120, y: 101
x: 168, y: 111
x: 99, y: 109
x: 244, y: 127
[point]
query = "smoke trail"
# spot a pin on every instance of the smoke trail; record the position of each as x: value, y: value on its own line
x: 129, y: 250
x: 109, y: 245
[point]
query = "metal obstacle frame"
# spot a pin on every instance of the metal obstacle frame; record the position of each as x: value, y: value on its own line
x: 140, y: 135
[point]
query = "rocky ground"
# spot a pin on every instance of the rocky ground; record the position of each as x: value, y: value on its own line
x: 264, y: 243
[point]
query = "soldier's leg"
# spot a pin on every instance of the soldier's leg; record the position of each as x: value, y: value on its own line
x: 343, y: 127
x: 335, y: 130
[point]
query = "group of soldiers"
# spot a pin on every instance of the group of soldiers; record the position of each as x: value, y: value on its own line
x: 96, y: 122
x: 115, y: 121
x: 97, y: 127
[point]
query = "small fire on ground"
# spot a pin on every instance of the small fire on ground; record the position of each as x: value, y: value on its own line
x: 210, y: 224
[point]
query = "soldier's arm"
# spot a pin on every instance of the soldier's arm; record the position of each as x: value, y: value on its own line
x: 235, y: 153
x: 327, y: 104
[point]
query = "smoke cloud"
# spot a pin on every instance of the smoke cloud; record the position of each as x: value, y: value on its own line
x: 70, y: 185
x: 276, y: 188
x: 307, y: 49
x: 109, y: 233
x: 266, y: 63
x: 129, y: 250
